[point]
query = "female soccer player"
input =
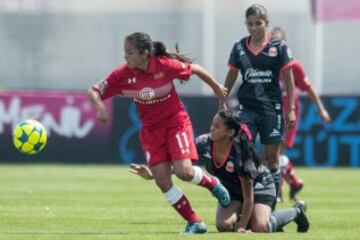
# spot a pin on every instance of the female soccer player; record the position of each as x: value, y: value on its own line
x: 260, y: 58
x: 250, y: 184
x: 166, y: 134
x: 303, y: 84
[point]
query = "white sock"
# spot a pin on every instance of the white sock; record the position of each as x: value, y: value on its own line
x: 173, y: 195
x: 198, y: 175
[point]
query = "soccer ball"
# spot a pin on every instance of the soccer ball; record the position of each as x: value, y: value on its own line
x: 29, y: 137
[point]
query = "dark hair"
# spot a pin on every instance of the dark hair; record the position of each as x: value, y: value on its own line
x: 142, y: 42
x: 229, y: 120
x: 259, y: 10
x: 251, y: 161
x: 282, y: 33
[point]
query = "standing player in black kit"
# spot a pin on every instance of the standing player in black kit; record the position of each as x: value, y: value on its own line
x: 260, y: 58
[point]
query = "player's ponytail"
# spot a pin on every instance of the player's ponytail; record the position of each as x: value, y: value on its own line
x: 251, y: 161
x: 159, y: 49
x: 142, y: 42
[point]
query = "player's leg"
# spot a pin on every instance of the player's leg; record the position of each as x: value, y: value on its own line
x: 182, y: 149
x: 153, y: 143
x: 281, y: 218
x: 271, y: 129
x: 175, y: 197
x: 286, y: 167
x: 271, y: 156
x: 260, y: 218
x: 226, y: 218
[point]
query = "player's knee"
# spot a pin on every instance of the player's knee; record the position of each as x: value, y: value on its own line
x: 260, y: 227
x: 224, y: 226
x: 163, y: 184
x: 185, y: 173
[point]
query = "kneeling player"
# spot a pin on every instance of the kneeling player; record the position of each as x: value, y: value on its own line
x: 250, y: 184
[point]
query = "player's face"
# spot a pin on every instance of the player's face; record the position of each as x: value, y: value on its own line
x: 218, y: 129
x: 256, y: 26
x: 133, y: 57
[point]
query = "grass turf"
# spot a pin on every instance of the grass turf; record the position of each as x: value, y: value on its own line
x: 108, y: 202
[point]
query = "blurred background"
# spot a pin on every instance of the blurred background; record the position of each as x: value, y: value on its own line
x: 52, y: 51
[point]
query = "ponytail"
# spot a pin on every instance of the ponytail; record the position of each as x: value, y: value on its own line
x: 159, y: 49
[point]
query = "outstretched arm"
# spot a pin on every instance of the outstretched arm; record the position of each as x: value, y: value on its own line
x: 96, y: 101
x: 219, y: 90
x: 231, y: 77
x: 316, y: 99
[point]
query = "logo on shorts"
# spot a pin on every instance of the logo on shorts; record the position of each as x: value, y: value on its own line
x: 147, y: 94
x: 147, y: 156
x: 273, y: 52
x: 275, y: 133
x: 230, y: 166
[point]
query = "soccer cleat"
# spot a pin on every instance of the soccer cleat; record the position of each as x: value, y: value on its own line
x: 295, y: 190
x: 221, y: 193
x: 301, y: 220
x: 195, y: 228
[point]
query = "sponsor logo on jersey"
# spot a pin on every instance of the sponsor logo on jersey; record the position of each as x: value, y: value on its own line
x: 273, y: 52
x: 275, y: 133
x: 146, y: 94
x: 253, y: 75
x: 132, y: 80
x: 229, y: 166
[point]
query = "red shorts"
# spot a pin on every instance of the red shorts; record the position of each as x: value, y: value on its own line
x: 168, y: 144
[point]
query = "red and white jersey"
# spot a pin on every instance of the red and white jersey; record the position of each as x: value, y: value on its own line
x: 301, y: 81
x: 153, y: 91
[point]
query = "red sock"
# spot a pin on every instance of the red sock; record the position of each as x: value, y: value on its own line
x: 182, y: 206
x: 291, y: 176
x: 208, y: 182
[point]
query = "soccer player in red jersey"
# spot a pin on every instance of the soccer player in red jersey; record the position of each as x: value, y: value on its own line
x: 166, y: 134
x: 303, y: 84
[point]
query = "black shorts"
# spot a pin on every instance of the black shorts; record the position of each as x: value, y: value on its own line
x: 269, y: 126
x: 268, y: 200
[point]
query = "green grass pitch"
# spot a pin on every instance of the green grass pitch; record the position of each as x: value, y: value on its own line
x: 108, y: 202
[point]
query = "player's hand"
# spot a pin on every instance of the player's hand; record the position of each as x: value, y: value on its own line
x: 325, y: 116
x: 103, y: 116
x: 243, y: 230
x: 222, y: 106
x: 142, y: 171
x: 291, y: 121
x: 221, y: 92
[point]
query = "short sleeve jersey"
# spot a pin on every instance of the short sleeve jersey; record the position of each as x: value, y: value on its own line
x: 260, y: 90
x: 301, y: 81
x: 230, y: 169
x: 153, y: 90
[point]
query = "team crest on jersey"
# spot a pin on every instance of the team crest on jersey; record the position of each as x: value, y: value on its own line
x: 146, y: 94
x: 230, y: 166
x: 289, y: 53
x: 273, y: 52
